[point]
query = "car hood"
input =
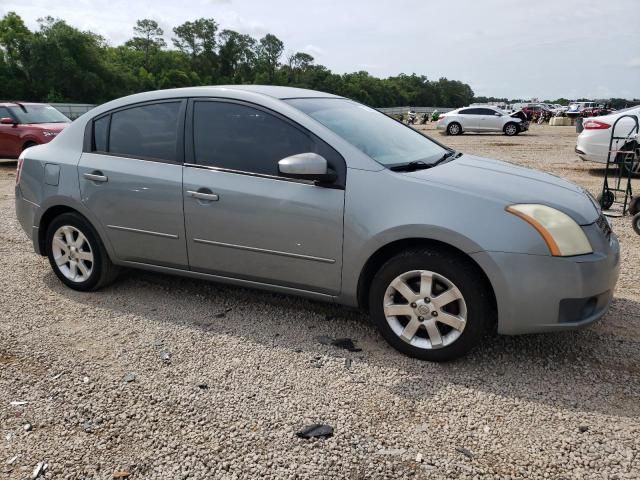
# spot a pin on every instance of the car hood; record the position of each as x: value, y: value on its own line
x: 510, y: 184
x: 54, y: 127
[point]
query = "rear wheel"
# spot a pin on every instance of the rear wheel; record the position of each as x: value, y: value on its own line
x: 76, y: 254
x: 510, y: 129
x: 430, y: 305
x: 454, y: 128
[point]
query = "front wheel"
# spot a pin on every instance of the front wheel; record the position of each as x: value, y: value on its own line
x: 510, y: 129
x: 430, y: 305
x: 76, y: 254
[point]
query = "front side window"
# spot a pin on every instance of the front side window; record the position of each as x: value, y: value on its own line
x: 380, y: 137
x: 147, y: 131
x: 38, y: 114
x: 239, y: 137
x: 4, y: 112
x: 487, y: 111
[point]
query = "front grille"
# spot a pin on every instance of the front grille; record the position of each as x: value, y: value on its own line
x: 603, y: 225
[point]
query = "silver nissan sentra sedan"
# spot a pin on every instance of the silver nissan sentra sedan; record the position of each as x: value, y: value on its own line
x: 303, y: 192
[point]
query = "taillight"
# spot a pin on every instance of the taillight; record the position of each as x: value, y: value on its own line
x: 19, y: 169
x: 595, y: 125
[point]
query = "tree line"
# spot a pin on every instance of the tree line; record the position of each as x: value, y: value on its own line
x: 60, y: 63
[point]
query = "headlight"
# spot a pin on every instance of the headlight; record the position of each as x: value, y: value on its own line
x: 561, y: 233
x: 49, y: 134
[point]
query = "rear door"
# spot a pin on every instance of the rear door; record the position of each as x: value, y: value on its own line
x: 469, y: 119
x: 243, y: 219
x: 131, y: 179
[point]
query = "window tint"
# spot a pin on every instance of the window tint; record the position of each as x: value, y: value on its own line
x: 148, y: 131
x: 100, y: 130
x: 466, y: 111
x: 486, y: 111
x: 4, y: 112
x: 239, y: 137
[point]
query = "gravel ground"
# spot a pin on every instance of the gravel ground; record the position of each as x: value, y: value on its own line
x: 167, y: 378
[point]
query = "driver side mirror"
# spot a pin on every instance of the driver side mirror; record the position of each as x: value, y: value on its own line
x: 307, y: 166
x: 7, y: 121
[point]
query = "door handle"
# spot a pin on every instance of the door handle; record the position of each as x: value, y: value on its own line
x: 210, y: 197
x: 96, y: 177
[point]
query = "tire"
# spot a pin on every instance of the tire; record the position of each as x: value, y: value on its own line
x: 28, y: 144
x: 606, y: 199
x: 626, y: 164
x: 71, y: 237
x: 468, y: 308
x: 636, y: 223
x: 454, y: 128
x: 511, y: 129
x: 634, y: 205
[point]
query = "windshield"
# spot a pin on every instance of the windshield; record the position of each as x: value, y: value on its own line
x: 38, y: 114
x: 385, y: 140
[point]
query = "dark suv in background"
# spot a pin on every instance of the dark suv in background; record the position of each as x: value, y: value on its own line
x: 23, y: 125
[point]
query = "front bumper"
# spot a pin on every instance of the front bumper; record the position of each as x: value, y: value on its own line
x: 537, y: 293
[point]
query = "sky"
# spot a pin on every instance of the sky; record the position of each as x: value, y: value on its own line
x: 542, y: 49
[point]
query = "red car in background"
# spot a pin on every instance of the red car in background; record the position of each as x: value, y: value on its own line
x: 23, y: 125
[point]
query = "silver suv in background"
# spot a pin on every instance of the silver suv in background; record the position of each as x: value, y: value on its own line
x: 481, y: 119
x: 312, y: 194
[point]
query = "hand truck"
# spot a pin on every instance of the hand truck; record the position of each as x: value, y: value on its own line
x: 622, y: 160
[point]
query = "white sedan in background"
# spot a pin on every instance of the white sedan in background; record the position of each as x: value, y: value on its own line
x: 593, y: 142
x: 481, y: 119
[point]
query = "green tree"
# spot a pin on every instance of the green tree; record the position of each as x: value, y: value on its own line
x: 269, y: 51
x: 149, y: 38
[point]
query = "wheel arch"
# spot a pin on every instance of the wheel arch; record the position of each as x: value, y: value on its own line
x: 385, y: 252
x: 57, y: 209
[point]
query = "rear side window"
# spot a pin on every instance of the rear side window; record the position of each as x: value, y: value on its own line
x: 147, y: 131
x: 240, y: 137
x: 100, y: 132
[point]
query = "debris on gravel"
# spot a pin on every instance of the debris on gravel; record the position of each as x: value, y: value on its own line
x: 316, y: 430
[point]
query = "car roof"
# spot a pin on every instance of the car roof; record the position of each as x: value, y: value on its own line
x: 14, y: 103
x: 274, y: 91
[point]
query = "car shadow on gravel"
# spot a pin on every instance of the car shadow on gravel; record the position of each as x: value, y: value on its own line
x: 595, y: 369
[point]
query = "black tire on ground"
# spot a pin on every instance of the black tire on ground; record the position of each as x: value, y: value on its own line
x: 103, y: 270
x: 606, y: 199
x: 462, y: 273
x: 511, y: 129
x: 626, y: 161
x: 454, y: 128
x: 636, y: 223
x: 634, y: 205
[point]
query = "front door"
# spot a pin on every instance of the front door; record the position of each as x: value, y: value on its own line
x: 9, y: 137
x: 242, y: 218
x: 131, y: 180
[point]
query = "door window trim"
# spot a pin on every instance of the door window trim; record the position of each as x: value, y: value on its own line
x: 88, y: 145
x: 189, y: 143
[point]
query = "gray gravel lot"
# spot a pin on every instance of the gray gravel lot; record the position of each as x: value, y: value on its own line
x: 166, y: 378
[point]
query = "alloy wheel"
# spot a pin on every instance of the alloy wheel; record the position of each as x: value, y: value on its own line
x: 72, y: 253
x: 510, y: 130
x: 425, y: 309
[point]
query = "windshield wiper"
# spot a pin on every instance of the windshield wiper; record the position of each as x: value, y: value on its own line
x: 450, y: 154
x: 411, y: 166
x: 420, y: 165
